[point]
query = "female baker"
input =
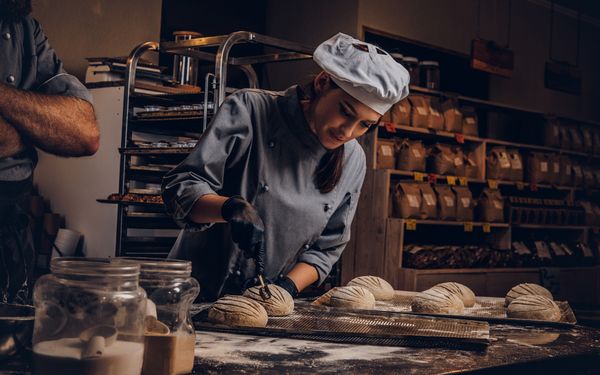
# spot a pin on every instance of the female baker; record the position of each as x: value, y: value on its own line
x: 273, y: 183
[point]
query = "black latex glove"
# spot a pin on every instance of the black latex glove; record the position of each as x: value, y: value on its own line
x: 287, y: 284
x: 247, y: 229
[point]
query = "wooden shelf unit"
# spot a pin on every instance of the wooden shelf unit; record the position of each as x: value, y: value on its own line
x: 377, y: 243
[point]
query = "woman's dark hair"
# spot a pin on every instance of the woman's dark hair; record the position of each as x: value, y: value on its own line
x: 329, y: 170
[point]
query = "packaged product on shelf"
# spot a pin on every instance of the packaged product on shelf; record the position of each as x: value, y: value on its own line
x: 542, y: 252
x: 589, y: 179
x: 406, y: 200
x: 591, y: 218
x: 435, y: 119
x: 516, y: 165
x: 453, y: 118
x: 471, y: 167
x: 596, y: 140
x: 575, y: 138
x: 596, y: 172
x: 446, y: 202
x: 491, y: 206
x: 412, y: 65
x: 419, y: 111
x: 564, y: 139
x: 552, y: 132
x: 566, y: 171
x: 428, y: 201
x: 498, y: 165
x: 411, y: 156
x: 558, y: 254
x: 587, y: 139
x: 386, y: 154
x: 523, y: 254
x: 441, y: 159
x: 400, y: 113
x: 469, y: 122
x: 577, y: 174
x: 554, y: 176
x: 538, y: 168
x: 459, y: 161
x: 464, y: 203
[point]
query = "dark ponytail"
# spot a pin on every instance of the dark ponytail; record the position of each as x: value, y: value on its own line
x: 329, y: 171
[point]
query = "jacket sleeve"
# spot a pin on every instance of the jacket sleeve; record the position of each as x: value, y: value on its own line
x: 223, y: 143
x: 51, y: 77
x: 331, y: 243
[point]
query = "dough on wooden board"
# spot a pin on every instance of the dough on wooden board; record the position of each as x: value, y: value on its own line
x: 437, y: 301
x: 281, y: 302
x: 526, y: 289
x: 238, y: 311
x: 381, y: 289
x: 353, y: 297
x: 535, y: 308
x: 462, y: 291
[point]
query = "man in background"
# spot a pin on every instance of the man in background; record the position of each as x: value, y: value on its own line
x: 41, y: 106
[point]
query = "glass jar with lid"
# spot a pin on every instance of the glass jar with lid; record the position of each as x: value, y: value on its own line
x: 170, y: 336
x: 412, y: 65
x: 430, y: 74
x: 89, y: 318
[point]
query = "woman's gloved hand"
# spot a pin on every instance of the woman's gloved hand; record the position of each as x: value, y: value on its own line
x: 247, y: 229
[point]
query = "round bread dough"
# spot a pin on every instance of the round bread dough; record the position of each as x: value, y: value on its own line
x: 381, y: 289
x: 535, y: 308
x: 526, y: 289
x: 238, y: 311
x: 354, y: 297
x: 281, y: 302
x: 325, y: 298
x: 437, y: 301
x: 462, y: 291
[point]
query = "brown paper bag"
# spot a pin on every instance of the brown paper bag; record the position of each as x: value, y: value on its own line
x: 411, y: 156
x: 419, y: 111
x: 428, y: 202
x: 406, y: 200
x: 464, y: 203
x: 491, y: 206
x: 446, y: 201
x: 498, y: 165
x: 386, y: 154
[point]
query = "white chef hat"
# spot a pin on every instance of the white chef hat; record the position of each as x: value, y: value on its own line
x: 364, y: 71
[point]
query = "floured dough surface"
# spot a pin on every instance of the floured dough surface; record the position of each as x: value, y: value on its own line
x: 238, y: 311
x: 526, y: 289
x: 437, y: 301
x: 325, y: 298
x: 535, y: 308
x: 462, y: 291
x: 281, y: 302
x: 353, y: 297
x: 381, y: 289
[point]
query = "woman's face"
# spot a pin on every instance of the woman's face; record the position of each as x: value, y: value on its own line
x: 338, y: 117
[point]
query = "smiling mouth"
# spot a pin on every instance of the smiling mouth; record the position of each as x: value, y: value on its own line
x: 333, y: 136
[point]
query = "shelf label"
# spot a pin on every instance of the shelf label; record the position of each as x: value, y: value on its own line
x: 463, y: 181
x: 389, y: 127
x: 411, y: 225
x: 493, y: 184
x: 419, y: 176
x: 460, y: 138
x: 487, y: 228
x: 451, y: 180
x: 432, y: 178
x: 520, y: 185
x: 468, y: 226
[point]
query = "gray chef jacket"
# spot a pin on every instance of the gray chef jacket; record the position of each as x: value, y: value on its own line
x: 260, y: 146
x: 28, y: 62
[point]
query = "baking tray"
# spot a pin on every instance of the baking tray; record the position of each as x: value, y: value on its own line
x: 488, y: 309
x: 322, y: 323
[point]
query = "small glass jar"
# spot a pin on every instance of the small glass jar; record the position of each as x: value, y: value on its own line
x: 412, y: 65
x: 397, y: 56
x: 89, y: 318
x: 430, y: 74
x: 170, y: 335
